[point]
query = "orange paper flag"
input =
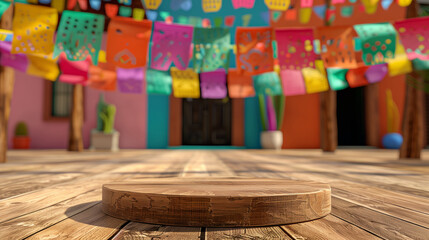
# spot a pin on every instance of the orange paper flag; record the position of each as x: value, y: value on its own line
x: 254, y: 50
x: 239, y: 86
x: 128, y: 42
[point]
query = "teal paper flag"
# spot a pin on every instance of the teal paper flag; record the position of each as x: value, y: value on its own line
x: 337, y: 78
x: 158, y: 82
x: 211, y: 49
x: 3, y: 7
x: 378, y: 42
x: 79, y: 35
x: 268, y: 84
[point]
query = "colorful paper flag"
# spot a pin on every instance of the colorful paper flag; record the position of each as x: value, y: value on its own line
x: 171, y: 43
x: 254, y: 50
x: 158, y: 82
x: 293, y: 82
x: 128, y: 42
x: 79, y: 36
x: 211, y: 49
x: 239, y: 86
x: 130, y: 80
x: 356, y: 77
x: 376, y: 73
x: 243, y: 4
x: 102, y: 78
x: 295, y: 48
x: 414, y: 36
x: 280, y: 5
x: 17, y: 61
x: 34, y: 29
x: 378, y: 42
x: 185, y: 83
x: 267, y: 84
x: 211, y: 5
x: 43, y: 66
x: 337, y: 78
x: 315, y: 79
x: 213, y: 84
x: 73, y: 72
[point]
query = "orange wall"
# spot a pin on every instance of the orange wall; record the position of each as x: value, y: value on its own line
x: 301, y: 125
x: 397, y: 85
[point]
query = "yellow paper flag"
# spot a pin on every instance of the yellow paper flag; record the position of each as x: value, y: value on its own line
x: 404, y: 3
x: 58, y: 4
x: 315, y: 79
x: 34, y: 29
x: 278, y: 5
x: 138, y: 14
x: 185, y: 83
x: 400, y: 64
x: 102, y: 56
x: 370, y: 6
x: 211, y: 5
x: 305, y: 15
x: 152, y: 4
x: 44, y: 67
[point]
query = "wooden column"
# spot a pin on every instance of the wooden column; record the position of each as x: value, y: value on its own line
x: 412, y: 122
x: 175, y: 122
x: 76, y: 120
x: 328, y: 114
x: 237, y: 122
x: 372, y: 115
x: 7, y: 79
x: 328, y: 119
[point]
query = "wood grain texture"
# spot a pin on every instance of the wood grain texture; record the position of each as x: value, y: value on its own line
x: 175, y: 122
x: 237, y: 122
x: 217, y: 202
x: 76, y: 120
x: 7, y: 80
x: 328, y: 120
x: 374, y: 195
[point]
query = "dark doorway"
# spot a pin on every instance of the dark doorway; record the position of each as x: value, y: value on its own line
x: 206, y: 122
x: 351, y: 117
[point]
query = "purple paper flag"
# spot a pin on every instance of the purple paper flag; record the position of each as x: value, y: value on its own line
x: 293, y: 82
x: 376, y: 73
x: 213, y: 84
x: 16, y: 61
x: 130, y: 80
x: 171, y: 43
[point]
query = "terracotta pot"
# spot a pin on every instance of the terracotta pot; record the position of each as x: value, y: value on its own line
x: 21, y: 142
x: 272, y: 139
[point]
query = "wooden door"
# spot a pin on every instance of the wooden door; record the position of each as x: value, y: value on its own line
x: 206, y: 122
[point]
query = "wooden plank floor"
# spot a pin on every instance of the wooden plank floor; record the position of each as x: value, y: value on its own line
x: 56, y: 194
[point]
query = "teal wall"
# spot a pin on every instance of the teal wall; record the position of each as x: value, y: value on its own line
x: 252, y: 123
x: 157, y: 121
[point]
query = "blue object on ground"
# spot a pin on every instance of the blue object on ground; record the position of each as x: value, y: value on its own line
x: 392, y: 141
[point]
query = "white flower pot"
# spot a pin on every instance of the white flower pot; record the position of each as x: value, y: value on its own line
x: 272, y: 139
x: 103, y: 141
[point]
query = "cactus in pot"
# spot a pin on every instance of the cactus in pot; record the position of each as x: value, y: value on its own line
x: 21, y: 140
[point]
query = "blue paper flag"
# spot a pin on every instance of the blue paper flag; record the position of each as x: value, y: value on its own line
x: 266, y: 17
x: 151, y: 15
x: 320, y: 11
x: 95, y: 4
x: 385, y: 4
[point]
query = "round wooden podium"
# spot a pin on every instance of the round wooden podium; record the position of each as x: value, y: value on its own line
x: 212, y: 202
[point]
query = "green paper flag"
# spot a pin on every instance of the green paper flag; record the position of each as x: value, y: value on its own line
x: 337, y: 78
x: 125, y: 11
x: 211, y: 49
x: 158, y: 82
x: 3, y: 7
x: 267, y: 84
x: 347, y: 11
x: 79, y: 35
x: 419, y: 64
x: 378, y: 42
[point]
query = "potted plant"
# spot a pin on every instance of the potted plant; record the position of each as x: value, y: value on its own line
x: 272, y: 111
x: 105, y: 137
x: 21, y: 140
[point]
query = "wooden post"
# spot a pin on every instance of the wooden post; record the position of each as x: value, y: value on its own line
x: 372, y: 115
x: 76, y: 120
x: 328, y: 119
x: 7, y: 80
x: 328, y: 114
x: 412, y: 122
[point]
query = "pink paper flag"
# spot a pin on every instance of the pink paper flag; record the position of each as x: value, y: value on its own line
x: 295, y: 48
x: 333, y: 2
x: 213, y: 84
x: 415, y: 37
x: 16, y: 61
x: 74, y: 72
x: 243, y: 3
x: 306, y: 3
x: 130, y: 80
x: 171, y: 43
x: 293, y: 82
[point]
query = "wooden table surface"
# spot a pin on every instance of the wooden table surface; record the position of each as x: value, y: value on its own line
x: 56, y: 194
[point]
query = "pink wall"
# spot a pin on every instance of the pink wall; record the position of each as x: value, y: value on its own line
x: 27, y: 105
